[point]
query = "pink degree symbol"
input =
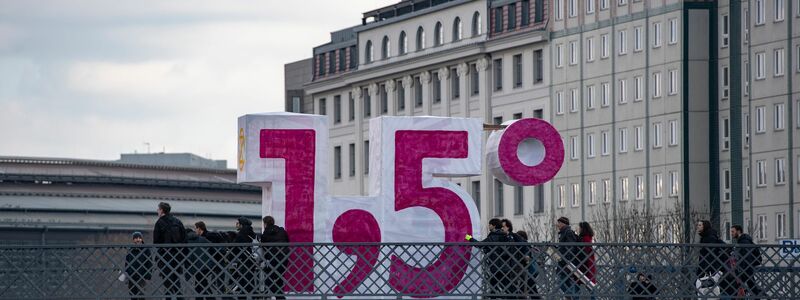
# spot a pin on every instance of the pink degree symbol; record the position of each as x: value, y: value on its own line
x: 527, y: 152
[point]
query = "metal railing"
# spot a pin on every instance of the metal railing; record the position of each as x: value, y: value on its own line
x: 394, y: 270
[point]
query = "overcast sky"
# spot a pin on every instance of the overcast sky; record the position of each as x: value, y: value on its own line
x: 93, y: 79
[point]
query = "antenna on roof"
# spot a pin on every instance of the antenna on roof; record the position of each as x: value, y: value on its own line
x: 148, y: 147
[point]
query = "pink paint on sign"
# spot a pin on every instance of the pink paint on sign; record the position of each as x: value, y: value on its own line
x: 296, y: 147
x: 515, y: 134
x: 357, y: 226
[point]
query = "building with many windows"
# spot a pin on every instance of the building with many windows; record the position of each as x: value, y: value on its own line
x: 641, y: 92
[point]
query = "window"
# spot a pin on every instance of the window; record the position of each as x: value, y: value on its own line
x: 559, y: 9
x: 498, y: 20
x: 559, y: 55
x: 746, y: 127
x: 512, y: 16
x: 367, y: 103
x: 386, y: 48
x: 476, y: 194
x: 638, y: 92
x: 403, y: 43
x: 760, y: 122
x: 538, y: 68
x: 797, y: 50
x: 525, y: 19
x: 726, y: 134
x: 296, y: 104
x: 516, y: 116
x: 538, y: 113
x: 604, y: 46
x: 779, y: 116
x: 726, y: 185
x: 622, y: 2
x: 455, y: 84
x: 384, y: 99
x: 623, y: 98
x: 574, y: 148
x: 353, y: 57
x: 725, y: 32
x: 498, y: 120
x: 673, y: 31
x: 559, y: 103
x: 780, y: 171
x: 760, y: 14
x: 725, y: 78
x: 780, y: 225
x: 573, y: 8
x: 673, y: 82
x: 658, y: 189
x: 573, y: 107
x: 457, y: 35
x: 637, y: 39
x: 673, y: 183
x: 656, y: 34
x: 538, y: 11
x: 760, y: 61
x: 657, y: 135
x: 337, y: 162
x: 332, y: 62
x: 762, y: 173
x: 420, y: 38
x: 560, y: 195
x: 351, y: 107
x: 656, y: 84
x: 476, y: 24
x: 519, y: 200
x: 747, y: 182
x: 368, y: 53
x: 498, y: 198
x: 623, y: 140
x: 603, y: 4
x: 337, y: 109
x: 576, y: 194
x: 474, y: 79
x: 321, y: 64
x: 640, y: 187
x: 323, y: 110
x: 438, y: 34
x: 606, y: 191
x: 366, y: 157
x: 342, y: 59
x: 590, y: 49
x: 605, y: 94
x: 352, y: 162
x: 517, y: 70
x: 778, y: 10
x: 673, y: 132
x: 639, y: 138
x: 777, y: 62
x: 623, y: 189
x: 401, y: 96
x: 590, y: 97
x: 592, y: 192
x: 623, y: 43
x: 590, y: 145
x: 761, y: 232
x: 437, y: 87
x: 605, y: 144
x: 498, y: 74
x: 573, y: 53
x: 417, y: 92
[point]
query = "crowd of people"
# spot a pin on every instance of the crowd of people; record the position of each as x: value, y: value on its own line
x: 511, y: 271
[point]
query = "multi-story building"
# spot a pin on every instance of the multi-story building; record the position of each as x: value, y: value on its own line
x: 640, y: 90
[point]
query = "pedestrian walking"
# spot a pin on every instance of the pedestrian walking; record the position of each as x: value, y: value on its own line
x: 276, y: 257
x: 198, y: 264
x: 569, y: 255
x: 494, y: 260
x: 711, y: 262
x: 169, y: 230
x: 532, y: 269
x: 514, y: 256
x: 242, y: 256
x: 747, y: 258
x: 137, y: 267
x: 586, y: 254
x: 217, y: 253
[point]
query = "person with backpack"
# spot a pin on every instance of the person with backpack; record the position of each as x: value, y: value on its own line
x: 169, y: 230
x: 747, y: 260
x: 242, y: 256
x: 276, y: 257
x: 217, y: 253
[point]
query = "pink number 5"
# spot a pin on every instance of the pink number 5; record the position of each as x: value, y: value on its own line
x: 411, y: 147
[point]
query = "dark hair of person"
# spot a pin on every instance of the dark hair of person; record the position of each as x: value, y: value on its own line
x: 706, y: 227
x: 496, y: 223
x: 269, y: 221
x: 737, y: 228
x: 508, y: 224
x: 586, y: 229
x: 164, y: 206
x: 201, y: 225
x: 523, y: 234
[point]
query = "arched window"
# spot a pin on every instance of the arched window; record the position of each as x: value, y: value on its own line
x: 368, y: 53
x: 420, y: 38
x: 457, y: 29
x: 403, y: 43
x: 386, y: 48
x: 438, y: 34
x: 476, y: 24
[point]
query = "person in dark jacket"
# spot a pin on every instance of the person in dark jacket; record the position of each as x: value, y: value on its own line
x: 217, y: 255
x: 515, y: 258
x: 531, y: 267
x: 242, y: 256
x: 643, y: 288
x: 747, y: 259
x: 493, y: 259
x: 712, y: 259
x: 275, y: 257
x: 568, y: 256
x: 198, y: 263
x: 169, y: 230
x: 138, y: 266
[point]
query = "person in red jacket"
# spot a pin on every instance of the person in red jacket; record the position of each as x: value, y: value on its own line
x: 585, y: 235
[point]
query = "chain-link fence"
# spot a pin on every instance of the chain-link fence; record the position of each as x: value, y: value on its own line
x: 370, y: 271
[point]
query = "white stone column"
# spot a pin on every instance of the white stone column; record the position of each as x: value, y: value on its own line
x: 408, y: 94
x: 359, y: 140
x: 444, y: 86
x: 425, y: 80
x: 391, y: 96
x: 375, y: 97
x: 484, y: 96
x: 463, y: 78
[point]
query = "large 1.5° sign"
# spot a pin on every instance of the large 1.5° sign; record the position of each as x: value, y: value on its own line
x: 409, y: 199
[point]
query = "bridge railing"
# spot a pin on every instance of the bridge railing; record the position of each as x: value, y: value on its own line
x: 393, y: 270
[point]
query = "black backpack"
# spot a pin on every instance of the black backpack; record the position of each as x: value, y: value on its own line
x: 174, y: 233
